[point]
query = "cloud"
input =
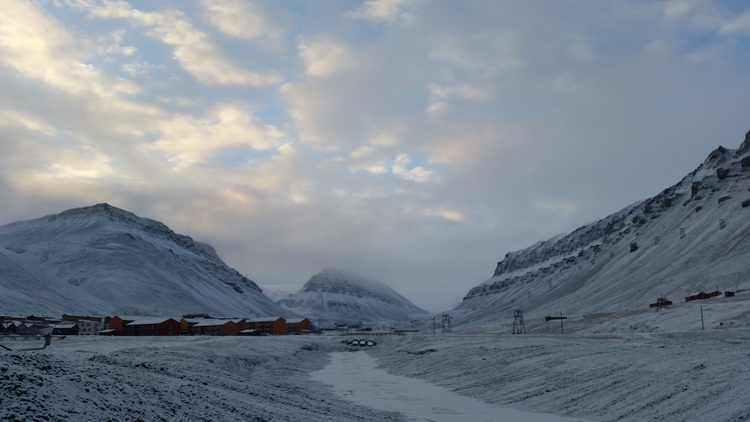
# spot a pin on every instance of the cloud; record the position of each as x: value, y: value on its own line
x: 737, y: 25
x: 185, y: 139
x: 242, y: 19
x: 193, y: 49
x: 39, y: 49
x: 323, y: 57
x: 401, y: 169
x: 387, y: 11
x: 411, y: 142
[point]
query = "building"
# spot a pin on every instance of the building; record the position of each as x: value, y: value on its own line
x: 298, y: 326
x: 151, y: 326
x: 87, y: 325
x: 115, y: 325
x: 213, y: 326
x: 8, y: 327
x: 89, y: 328
x: 26, y: 329
x: 66, y: 329
x: 275, y: 326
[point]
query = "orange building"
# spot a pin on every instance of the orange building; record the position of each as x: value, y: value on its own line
x: 214, y: 327
x: 298, y: 326
x: 275, y: 326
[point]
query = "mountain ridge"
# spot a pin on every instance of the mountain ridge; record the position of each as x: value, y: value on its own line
x: 112, y: 260
x: 660, y: 239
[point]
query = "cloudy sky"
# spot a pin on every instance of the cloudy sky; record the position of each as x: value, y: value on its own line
x: 413, y: 142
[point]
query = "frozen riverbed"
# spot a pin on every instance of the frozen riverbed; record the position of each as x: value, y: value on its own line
x: 355, y: 377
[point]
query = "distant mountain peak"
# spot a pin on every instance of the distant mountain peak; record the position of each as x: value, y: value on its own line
x: 335, y: 296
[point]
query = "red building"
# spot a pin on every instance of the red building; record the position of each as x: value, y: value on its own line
x: 151, y: 327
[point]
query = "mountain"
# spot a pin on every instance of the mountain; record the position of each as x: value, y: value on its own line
x: 333, y: 296
x: 105, y: 260
x: 693, y: 236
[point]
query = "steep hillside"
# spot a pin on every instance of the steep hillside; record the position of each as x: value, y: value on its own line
x: 333, y: 296
x: 101, y: 259
x: 693, y: 236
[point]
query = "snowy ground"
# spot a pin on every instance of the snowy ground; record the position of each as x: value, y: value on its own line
x: 633, y: 366
x: 174, y: 379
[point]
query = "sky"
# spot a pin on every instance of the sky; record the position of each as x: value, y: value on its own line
x: 414, y: 142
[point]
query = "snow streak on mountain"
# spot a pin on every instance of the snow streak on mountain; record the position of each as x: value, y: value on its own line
x: 333, y: 296
x: 104, y: 260
x: 693, y: 236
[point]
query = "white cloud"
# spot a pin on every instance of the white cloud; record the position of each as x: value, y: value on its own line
x: 188, y: 139
x: 738, y: 25
x: 242, y: 19
x: 39, y: 49
x: 324, y: 56
x: 193, y: 49
x: 26, y: 121
x: 389, y: 11
x: 419, y: 174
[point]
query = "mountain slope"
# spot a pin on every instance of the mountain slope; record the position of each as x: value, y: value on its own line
x: 333, y: 296
x: 693, y: 236
x: 102, y: 259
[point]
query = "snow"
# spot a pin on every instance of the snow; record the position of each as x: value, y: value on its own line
x: 354, y: 376
x: 692, y: 236
x: 678, y: 373
x: 612, y: 359
x: 102, y: 260
x: 333, y: 296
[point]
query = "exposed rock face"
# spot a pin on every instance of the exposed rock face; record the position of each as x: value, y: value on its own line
x: 595, y: 267
x: 744, y: 147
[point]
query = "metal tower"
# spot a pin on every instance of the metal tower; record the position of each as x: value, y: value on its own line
x: 446, y: 323
x: 518, y: 326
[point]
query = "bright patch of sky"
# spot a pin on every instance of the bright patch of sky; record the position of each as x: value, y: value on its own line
x: 409, y: 141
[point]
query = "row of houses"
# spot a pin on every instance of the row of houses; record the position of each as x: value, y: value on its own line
x: 157, y: 326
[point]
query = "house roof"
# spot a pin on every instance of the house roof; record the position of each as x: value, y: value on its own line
x: 267, y: 319
x: 149, y: 321
x: 213, y: 322
x: 296, y: 320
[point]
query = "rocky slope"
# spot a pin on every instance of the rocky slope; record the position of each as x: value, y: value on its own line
x: 333, y: 296
x: 692, y: 236
x: 102, y: 259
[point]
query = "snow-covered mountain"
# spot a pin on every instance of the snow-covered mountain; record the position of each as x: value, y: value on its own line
x: 104, y: 260
x: 693, y: 236
x: 333, y: 296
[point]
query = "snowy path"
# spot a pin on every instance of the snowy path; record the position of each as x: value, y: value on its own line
x: 354, y: 376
